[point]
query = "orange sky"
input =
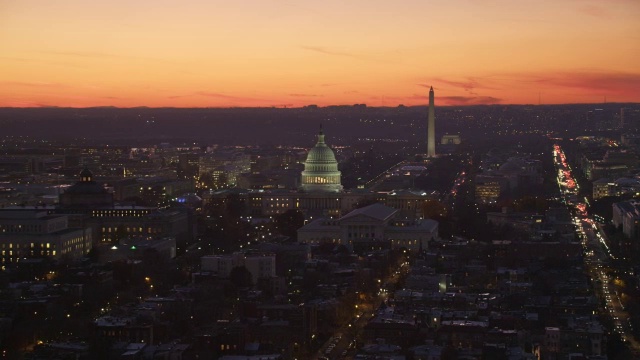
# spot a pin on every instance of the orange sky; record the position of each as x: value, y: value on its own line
x: 213, y: 53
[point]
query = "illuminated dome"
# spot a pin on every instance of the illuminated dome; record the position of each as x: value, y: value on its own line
x: 321, y: 169
x: 86, y: 175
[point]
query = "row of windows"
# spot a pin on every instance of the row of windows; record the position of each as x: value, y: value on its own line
x: 20, y: 228
x: 73, y: 241
x: 404, y: 242
x: 361, y: 235
x: 32, y: 245
x: 131, y: 229
x: 10, y: 259
x: 339, y: 241
x: 119, y: 213
x: 279, y: 205
x: 69, y: 246
x: 321, y: 180
x: 324, y: 241
x: 71, y: 249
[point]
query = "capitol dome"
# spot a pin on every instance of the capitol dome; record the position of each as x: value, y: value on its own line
x: 321, y: 169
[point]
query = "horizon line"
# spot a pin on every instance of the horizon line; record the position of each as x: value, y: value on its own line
x: 305, y: 106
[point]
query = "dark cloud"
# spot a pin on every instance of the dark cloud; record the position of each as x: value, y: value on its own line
x: 468, y: 100
x: 595, y: 11
x: 101, y: 55
x: 468, y: 84
x: 33, y: 84
x: 305, y: 95
x: 607, y: 81
x: 40, y: 61
x: 88, y: 54
x: 225, y: 96
x: 217, y: 95
x: 327, y: 51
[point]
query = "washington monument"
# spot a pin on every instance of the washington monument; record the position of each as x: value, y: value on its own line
x: 431, y: 128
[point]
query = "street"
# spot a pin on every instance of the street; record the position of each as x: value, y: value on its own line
x: 597, y: 255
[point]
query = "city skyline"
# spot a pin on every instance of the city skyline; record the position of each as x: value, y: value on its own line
x: 215, y: 54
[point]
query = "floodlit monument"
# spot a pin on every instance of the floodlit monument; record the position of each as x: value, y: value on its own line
x: 321, y: 172
x: 431, y: 127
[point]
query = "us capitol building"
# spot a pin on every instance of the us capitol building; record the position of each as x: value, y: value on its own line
x: 321, y: 193
x: 321, y: 172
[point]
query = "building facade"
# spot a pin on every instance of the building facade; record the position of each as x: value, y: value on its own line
x: 33, y: 233
x: 373, y: 227
x: 321, y: 172
x: 626, y: 214
x: 260, y: 265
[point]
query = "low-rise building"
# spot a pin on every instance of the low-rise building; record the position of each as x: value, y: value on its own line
x: 626, y: 214
x: 489, y: 188
x: 372, y: 227
x: 260, y: 265
x: 35, y: 233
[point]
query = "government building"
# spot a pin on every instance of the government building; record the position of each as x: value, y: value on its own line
x: 321, y: 193
x: 37, y: 234
x: 373, y: 227
x: 321, y: 173
x: 89, y: 204
x: 86, y: 217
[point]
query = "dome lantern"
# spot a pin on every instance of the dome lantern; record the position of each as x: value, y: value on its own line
x: 86, y: 175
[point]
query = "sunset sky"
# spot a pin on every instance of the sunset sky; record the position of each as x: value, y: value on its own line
x: 210, y: 53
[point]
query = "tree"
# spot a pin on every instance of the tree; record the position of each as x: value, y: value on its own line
x: 289, y: 222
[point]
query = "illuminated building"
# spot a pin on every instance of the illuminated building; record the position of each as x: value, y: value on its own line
x: 188, y: 165
x: 89, y: 204
x: 410, y: 204
x: 29, y: 233
x: 626, y: 214
x: 602, y: 188
x: 321, y: 193
x: 321, y: 169
x: 372, y: 227
x: 450, y: 139
x: 431, y: 127
x: 488, y: 188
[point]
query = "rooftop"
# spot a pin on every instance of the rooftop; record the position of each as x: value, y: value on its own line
x: 376, y: 211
